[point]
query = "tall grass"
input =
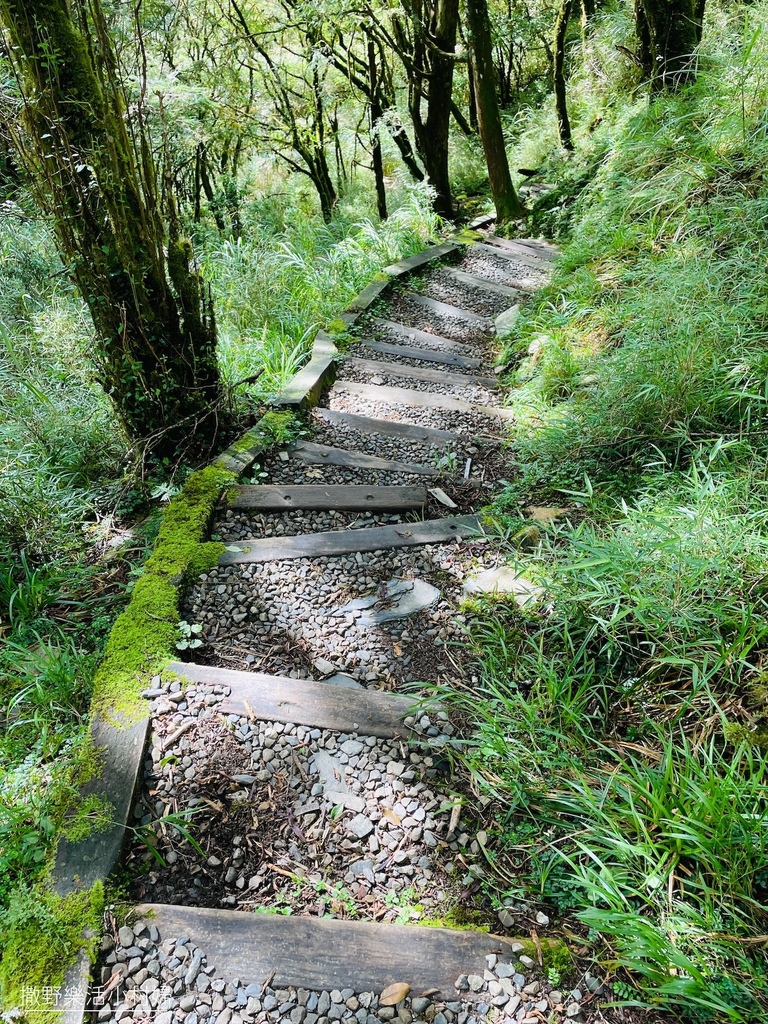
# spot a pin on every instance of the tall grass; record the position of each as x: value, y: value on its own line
x: 622, y: 721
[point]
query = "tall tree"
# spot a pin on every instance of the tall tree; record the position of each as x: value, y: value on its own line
x: 425, y: 40
x: 505, y: 198
x: 561, y: 101
x: 668, y: 32
x: 117, y: 229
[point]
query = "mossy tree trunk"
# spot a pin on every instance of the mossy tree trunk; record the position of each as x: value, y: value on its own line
x: 505, y: 198
x: 155, y: 330
x: 668, y: 32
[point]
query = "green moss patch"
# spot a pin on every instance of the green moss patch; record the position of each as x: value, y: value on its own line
x: 41, y: 936
x: 143, y: 638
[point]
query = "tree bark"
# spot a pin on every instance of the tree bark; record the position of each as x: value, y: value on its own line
x: 505, y: 199
x: 376, y: 113
x: 668, y: 32
x: 430, y: 65
x: 155, y: 329
x: 561, y: 100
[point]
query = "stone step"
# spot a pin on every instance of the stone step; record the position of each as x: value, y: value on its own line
x: 526, y: 247
x: 416, y: 399
x: 481, y: 282
x: 304, y: 701
x: 425, y: 338
x: 445, y: 309
x: 427, y: 355
x: 327, y: 953
x: 342, y: 497
x: 389, y: 428
x: 311, y: 454
x: 344, y: 542
x: 425, y: 373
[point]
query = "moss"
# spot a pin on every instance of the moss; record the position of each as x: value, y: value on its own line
x: 143, y: 638
x: 41, y: 938
x: 459, y: 919
x: 337, y: 328
x: 93, y: 814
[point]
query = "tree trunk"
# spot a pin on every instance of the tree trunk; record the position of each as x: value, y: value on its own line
x: 561, y: 102
x: 155, y: 330
x: 505, y: 199
x: 376, y: 113
x: 431, y: 77
x: 668, y: 32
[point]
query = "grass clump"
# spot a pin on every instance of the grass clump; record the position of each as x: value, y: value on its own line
x: 620, y: 721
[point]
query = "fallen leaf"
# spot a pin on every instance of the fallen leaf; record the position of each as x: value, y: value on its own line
x: 391, y: 817
x: 544, y: 514
x: 392, y: 994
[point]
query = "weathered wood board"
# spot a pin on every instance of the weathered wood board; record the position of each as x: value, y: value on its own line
x: 417, y: 399
x: 324, y: 953
x: 311, y: 454
x: 344, y: 542
x: 445, y: 309
x: 427, y: 355
x: 304, y: 701
x: 344, y: 497
x: 425, y: 373
x: 391, y: 428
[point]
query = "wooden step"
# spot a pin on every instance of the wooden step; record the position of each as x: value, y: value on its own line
x: 304, y: 701
x: 481, y: 282
x: 445, y: 309
x: 311, y: 454
x: 428, y: 355
x: 412, y: 334
x: 525, y: 248
x: 505, y: 254
x: 416, y: 399
x: 425, y: 373
x: 344, y: 497
x: 389, y: 428
x: 344, y: 542
x: 326, y: 953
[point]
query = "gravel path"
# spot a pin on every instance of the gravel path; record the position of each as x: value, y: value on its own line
x: 287, y: 818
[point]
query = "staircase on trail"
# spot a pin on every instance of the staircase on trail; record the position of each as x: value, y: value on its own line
x: 319, y: 783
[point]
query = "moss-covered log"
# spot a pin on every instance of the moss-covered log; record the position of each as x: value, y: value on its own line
x: 156, y: 335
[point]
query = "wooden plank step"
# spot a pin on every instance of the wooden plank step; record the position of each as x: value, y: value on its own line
x: 505, y: 254
x: 521, y: 248
x: 428, y: 355
x: 344, y: 542
x: 420, y: 259
x: 304, y: 701
x: 481, y: 282
x: 445, y: 309
x: 417, y: 399
x: 311, y: 454
x: 425, y: 373
x: 327, y: 953
x: 424, y: 337
x: 389, y: 428
x: 528, y: 246
x: 344, y: 497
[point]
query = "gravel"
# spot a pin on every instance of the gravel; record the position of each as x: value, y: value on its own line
x: 280, y: 615
x: 477, y: 393
x: 503, y: 271
x: 333, y: 824
x: 471, y: 423
x: 169, y: 980
x: 441, y: 285
x: 406, y: 311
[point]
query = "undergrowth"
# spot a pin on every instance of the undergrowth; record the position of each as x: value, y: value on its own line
x: 621, y: 721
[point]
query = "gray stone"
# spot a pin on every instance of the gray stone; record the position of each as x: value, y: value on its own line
x: 532, y: 988
x: 505, y: 322
x: 360, y: 826
x: 573, y: 1011
x: 507, y: 920
x: 504, y: 970
x: 126, y: 936
x: 342, y: 679
x: 351, y: 747
x: 396, y: 599
x: 542, y: 919
x: 420, y: 1003
x: 476, y: 982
